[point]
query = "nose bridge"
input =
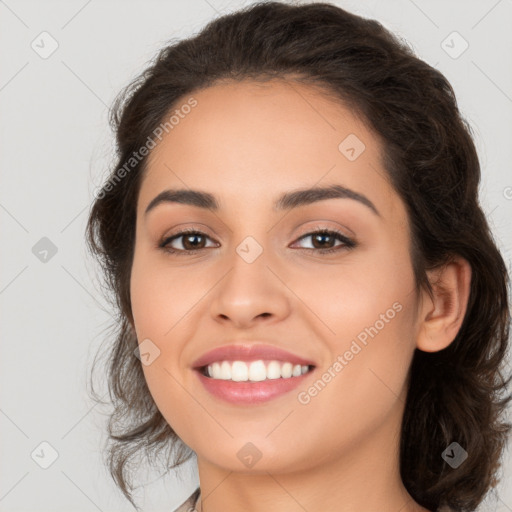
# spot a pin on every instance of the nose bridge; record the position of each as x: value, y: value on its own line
x: 250, y: 238
x: 248, y: 264
x: 249, y: 288
x: 250, y: 249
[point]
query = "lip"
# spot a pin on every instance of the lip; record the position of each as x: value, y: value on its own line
x: 250, y: 393
x: 247, y: 353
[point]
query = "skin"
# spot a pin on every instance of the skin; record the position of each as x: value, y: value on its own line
x: 247, y: 143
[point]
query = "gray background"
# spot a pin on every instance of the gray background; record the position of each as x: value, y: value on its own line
x: 56, y: 148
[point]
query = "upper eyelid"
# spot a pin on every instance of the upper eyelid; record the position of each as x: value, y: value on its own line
x: 318, y: 225
x: 202, y: 231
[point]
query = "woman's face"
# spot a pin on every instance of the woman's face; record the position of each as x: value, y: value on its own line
x: 254, y: 278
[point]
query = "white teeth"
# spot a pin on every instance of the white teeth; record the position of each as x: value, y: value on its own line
x: 239, y: 371
x: 225, y: 371
x: 286, y: 370
x: 273, y: 370
x: 255, y: 371
x: 214, y: 369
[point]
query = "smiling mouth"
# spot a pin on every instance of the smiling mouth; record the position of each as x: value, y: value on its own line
x: 253, y: 371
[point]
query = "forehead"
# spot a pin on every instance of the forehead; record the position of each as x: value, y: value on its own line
x: 248, y: 141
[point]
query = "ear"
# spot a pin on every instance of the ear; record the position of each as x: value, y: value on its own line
x: 440, y: 318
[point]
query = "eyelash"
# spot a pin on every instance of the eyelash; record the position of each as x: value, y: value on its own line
x: 347, y: 242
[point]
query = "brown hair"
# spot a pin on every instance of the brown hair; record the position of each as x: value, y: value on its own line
x: 432, y: 163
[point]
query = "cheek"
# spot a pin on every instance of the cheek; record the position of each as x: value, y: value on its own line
x: 160, y: 303
x: 375, y: 355
x: 364, y: 380
x: 161, y: 298
x: 343, y: 299
x: 369, y: 313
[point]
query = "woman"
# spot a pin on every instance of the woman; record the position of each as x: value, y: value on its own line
x: 302, y: 268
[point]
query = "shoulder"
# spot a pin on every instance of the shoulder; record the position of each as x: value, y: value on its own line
x: 189, y: 504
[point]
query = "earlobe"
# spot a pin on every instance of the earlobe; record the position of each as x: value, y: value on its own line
x: 442, y: 315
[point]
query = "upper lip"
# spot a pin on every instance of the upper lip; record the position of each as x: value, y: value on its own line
x: 248, y: 352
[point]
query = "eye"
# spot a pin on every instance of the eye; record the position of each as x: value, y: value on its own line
x: 191, y: 241
x: 324, y: 237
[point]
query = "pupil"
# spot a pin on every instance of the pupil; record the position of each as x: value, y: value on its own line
x: 187, y: 240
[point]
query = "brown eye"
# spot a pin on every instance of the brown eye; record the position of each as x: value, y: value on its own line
x: 191, y: 241
x: 323, y: 241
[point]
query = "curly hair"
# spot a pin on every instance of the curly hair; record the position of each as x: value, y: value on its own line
x: 455, y: 394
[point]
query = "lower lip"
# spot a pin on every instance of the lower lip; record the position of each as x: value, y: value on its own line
x: 248, y: 393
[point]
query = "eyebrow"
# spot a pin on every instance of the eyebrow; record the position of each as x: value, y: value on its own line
x: 287, y: 201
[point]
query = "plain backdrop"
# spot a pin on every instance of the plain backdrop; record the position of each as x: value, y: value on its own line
x: 62, y: 63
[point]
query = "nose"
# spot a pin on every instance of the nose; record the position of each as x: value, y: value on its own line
x: 250, y: 293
